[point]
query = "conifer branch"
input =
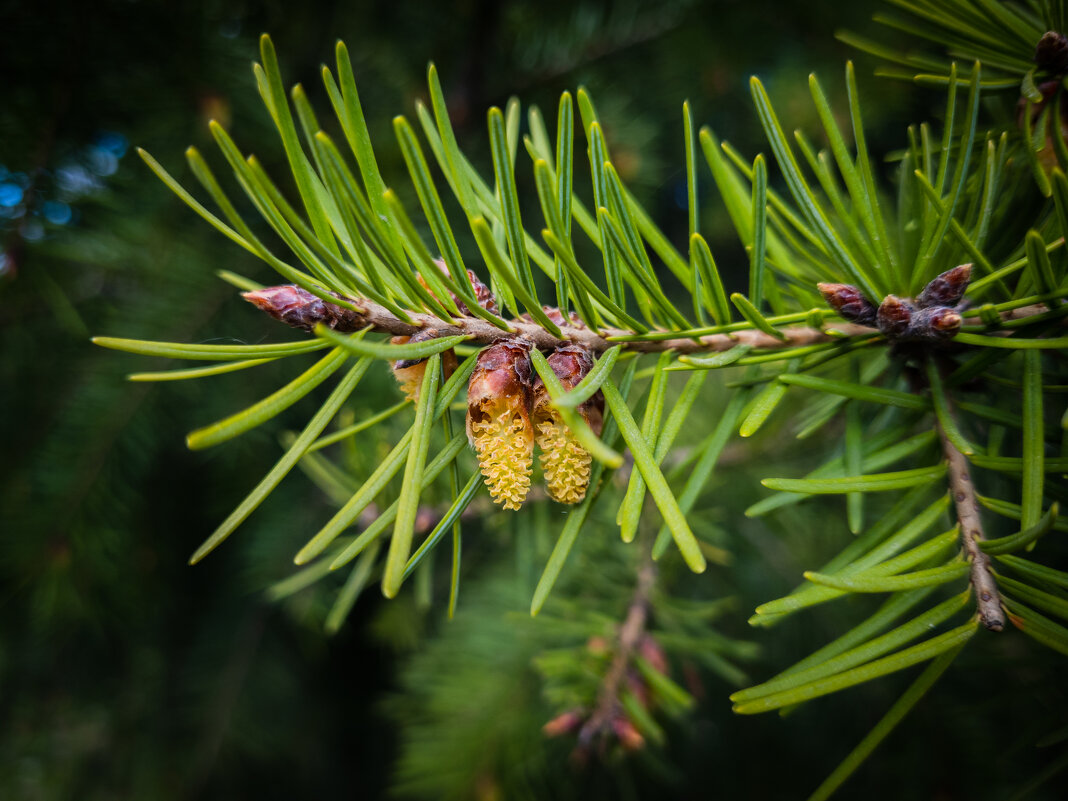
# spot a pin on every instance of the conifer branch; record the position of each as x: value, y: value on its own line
x: 971, y: 533
x: 366, y: 313
x: 298, y: 308
x: 630, y: 637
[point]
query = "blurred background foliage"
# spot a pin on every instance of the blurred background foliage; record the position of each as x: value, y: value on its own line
x: 127, y: 674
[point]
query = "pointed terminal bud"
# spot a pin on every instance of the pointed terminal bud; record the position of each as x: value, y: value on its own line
x: 565, y: 462
x: 498, y: 420
x: 301, y: 309
x: 409, y: 372
x: 1051, y: 54
x: 894, y: 316
x: 937, y: 322
x: 946, y: 289
x: 849, y: 303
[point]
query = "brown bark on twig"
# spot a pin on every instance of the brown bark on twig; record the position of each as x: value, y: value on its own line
x: 481, y: 332
x: 971, y: 533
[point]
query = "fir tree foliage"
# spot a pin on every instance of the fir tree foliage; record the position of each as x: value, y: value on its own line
x: 906, y: 316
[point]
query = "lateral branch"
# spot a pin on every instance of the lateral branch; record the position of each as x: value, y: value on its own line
x: 630, y: 636
x: 971, y: 533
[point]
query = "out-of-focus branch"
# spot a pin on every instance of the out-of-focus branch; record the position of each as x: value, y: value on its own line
x: 630, y: 636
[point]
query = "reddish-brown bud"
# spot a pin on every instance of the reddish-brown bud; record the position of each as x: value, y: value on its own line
x: 564, y: 723
x: 498, y: 420
x: 565, y: 462
x: 935, y: 323
x: 301, y: 309
x: 849, y: 303
x: 946, y: 289
x: 629, y: 737
x: 483, y: 294
x: 894, y: 316
x: 1051, y: 54
x: 899, y: 319
x: 409, y: 372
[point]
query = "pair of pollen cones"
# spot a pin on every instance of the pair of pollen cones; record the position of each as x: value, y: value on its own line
x: 509, y: 410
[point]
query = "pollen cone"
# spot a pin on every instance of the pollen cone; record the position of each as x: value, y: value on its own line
x: 565, y: 462
x: 498, y: 420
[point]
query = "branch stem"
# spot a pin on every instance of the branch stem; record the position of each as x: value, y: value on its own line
x: 971, y: 533
x: 481, y: 332
x: 630, y: 637
x: 300, y: 309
